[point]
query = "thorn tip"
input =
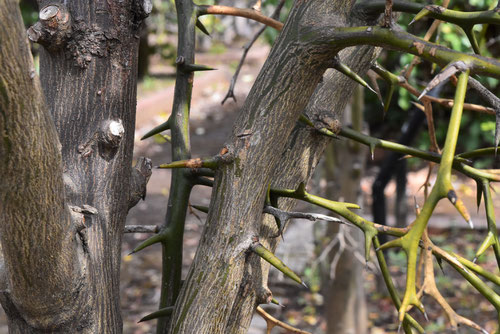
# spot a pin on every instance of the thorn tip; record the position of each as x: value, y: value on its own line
x: 471, y: 224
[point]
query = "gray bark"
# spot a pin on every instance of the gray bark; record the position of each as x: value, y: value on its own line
x: 225, y: 278
x: 63, y: 205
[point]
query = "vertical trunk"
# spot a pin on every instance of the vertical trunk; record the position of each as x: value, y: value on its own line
x: 88, y: 69
x: 38, y: 240
x: 345, y: 302
x: 90, y: 87
x: 225, y: 278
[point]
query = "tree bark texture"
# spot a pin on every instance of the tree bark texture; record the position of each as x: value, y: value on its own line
x: 37, y: 237
x: 66, y: 202
x: 226, y: 282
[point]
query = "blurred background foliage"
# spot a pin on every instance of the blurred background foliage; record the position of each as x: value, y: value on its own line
x: 158, y: 41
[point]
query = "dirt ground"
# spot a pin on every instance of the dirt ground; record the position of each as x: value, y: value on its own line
x: 210, y: 126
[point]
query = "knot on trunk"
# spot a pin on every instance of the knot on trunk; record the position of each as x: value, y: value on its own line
x: 110, y: 136
x: 139, y: 180
x: 53, y: 29
x: 141, y: 9
x: 264, y: 295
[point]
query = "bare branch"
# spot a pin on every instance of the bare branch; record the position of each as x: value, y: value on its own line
x: 246, y: 48
x: 273, y: 322
x: 492, y: 100
x: 141, y: 229
x: 242, y: 12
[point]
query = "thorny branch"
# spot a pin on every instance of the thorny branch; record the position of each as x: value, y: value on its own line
x: 414, y: 236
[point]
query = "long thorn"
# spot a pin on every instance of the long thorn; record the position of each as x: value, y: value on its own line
x: 164, y: 312
x: 158, y: 129
x: 264, y: 253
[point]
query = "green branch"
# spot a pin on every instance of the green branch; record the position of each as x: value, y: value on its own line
x: 172, y: 232
x: 408, y: 320
x: 375, y: 7
x: 459, y: 161
x: 342, y: 37
x: 442, y: 188
x: 490, y: 217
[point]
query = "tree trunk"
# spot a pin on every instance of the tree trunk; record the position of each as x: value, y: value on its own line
x: 65, y: 276
x: 345, y: 297
x: 225, y: 278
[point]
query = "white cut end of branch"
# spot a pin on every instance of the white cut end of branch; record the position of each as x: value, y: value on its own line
x: 116, y: 128
x: 147, y: 6
x: 48, y: 12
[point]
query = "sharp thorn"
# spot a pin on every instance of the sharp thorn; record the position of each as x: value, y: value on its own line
x: 424, y: 92
x: 201, y: 208
x: 161, y: 313
x: 158, y: 129
x: 305, y: 285
x: 474, y: 260
x: 371, y: 89
x: 274, y: 301
x: 440, y: 264
x: 471, y: 224
x: 200, y: 26
x: 266, y: 255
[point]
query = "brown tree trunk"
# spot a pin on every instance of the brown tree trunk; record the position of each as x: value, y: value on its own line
x: 225, y: 280
x: 63, y: 206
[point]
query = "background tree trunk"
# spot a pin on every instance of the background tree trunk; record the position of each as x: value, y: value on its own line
x: 345, y: 297
x: 66, y: 276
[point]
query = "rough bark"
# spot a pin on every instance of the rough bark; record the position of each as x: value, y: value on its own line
x: 65, y: 278
x: 224, y: 278
x: 42, y: 264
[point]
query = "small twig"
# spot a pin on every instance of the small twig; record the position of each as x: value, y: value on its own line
x: 388, y: 14
x: 141, y: 229
x: 492, y: 100
x: 242, y: 12
x: 273, y: 322
x: 429, y: 287
x: 428, y: 35
x: 434, y: 146
x: 191, y: 211
x: 448, y: 102
x: 246, y: 48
